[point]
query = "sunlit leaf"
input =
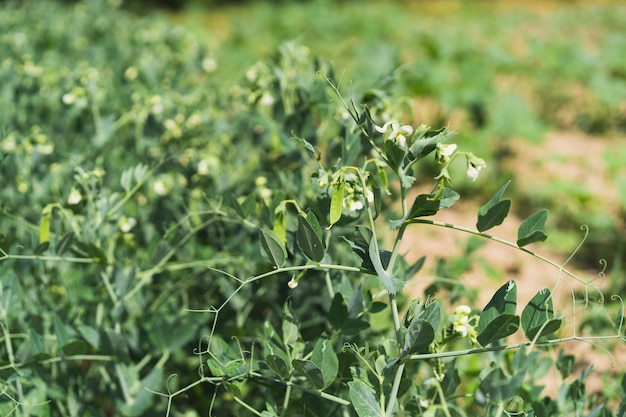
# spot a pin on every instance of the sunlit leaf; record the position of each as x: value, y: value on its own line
x: 336, y: 202
x: 363, y: 400
x: 531, y: 230
x: 44, y: 224
x: 498, y: 319
x: 289, y: 327
x: 424, y: 205
x: 310, y: 237
x: 494, y: 216
x: 502, y: 326
x: 380, y: 270
x: 494, y: 211
x: 271, y: 248
x: 538, y: 316
x: 426, y: 140
x: 325, y: 358
x: 448, y: 197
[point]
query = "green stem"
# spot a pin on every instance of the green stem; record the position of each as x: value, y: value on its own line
x: 455, y: 353
x: 499, y: 240
x: 394, y: 389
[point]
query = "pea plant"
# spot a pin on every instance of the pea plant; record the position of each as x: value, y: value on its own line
x: 345, y: 339
x: 173, y: 246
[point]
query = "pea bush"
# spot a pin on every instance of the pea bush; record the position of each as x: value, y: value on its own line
x: 171, y: 246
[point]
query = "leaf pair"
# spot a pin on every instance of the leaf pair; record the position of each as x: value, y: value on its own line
x: 309, y: 234
x: 498, y: 319
x: 494, y: 212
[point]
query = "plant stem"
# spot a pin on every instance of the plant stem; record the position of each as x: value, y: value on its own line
x: 499, y: 240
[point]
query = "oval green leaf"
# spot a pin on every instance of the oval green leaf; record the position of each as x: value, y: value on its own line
x: 363, y: 400
x: 336, y: 202
x: 531, y: 230
x: 310, y: 237
x: 271, y: 248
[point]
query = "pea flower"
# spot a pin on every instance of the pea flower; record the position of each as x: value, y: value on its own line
x: 474, y: 165
x: 444, y: 152
x: 462, y: 324
x: 292, y: 283
x: 393, y: 130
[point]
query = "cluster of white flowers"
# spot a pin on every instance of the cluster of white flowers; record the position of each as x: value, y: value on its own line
x: 462, y: 324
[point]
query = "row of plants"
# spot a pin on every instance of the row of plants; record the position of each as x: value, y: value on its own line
x: 174, y: 245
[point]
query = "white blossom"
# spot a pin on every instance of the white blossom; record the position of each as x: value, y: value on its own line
x: 395, y: 131
x: 474, y: 166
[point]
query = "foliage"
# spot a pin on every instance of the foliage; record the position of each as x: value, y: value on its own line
x: 171, y: 245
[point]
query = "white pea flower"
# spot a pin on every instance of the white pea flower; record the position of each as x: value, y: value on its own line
x: 126, y: 224
x: 209, y: 65
x: 292, y: 283
x: 461, y: 323
x: 474, y: 166
x: 395, y: 131
x: 131, y: 73
x: 445, y: 151
x: 74, y: 198
x: 353, y: 203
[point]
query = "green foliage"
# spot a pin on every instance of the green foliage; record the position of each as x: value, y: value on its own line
x: 174, y: 246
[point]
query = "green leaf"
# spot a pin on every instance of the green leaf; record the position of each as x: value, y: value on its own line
x: 494, y: 211
x: 231, y: 201
x: 36, y: 343
x: 380, y: 271
x: 424, y: 205
x: 448, y: 197
x: 44, y: 224
x: 325, y: 358
x: 419, y: 336
x: 336, y: 202
x: 538, y: 316
x: 363, y: 400
x: 90, y: 334
x: 498, y: 319
x: 310, y: 237
x: 502, y: 326
x: 311, y: 371
x: 353, y: 327
x: 60, y: 331
x: 497, y: 387
x: 394, y: 155
x: 277, y: 360
x: 338, y: 313
x: 271, y: 248
x: 290, y: 327
x: 425, y: 141
x: 531, y: 230
x: 495, y: 199
x: 75, y: 347
x: 65, y: 243
x: 451, y: 380
x: 423, y: 327
x: 494, y: 216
